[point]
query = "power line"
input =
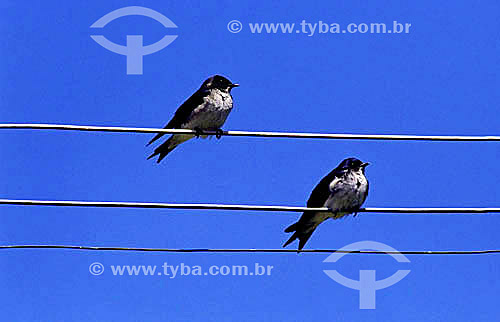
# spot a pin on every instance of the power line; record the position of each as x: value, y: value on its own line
x: 156, y: 205
x: 252, y: 250
x: 252, y: 133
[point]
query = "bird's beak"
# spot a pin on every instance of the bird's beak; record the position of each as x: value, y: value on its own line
x: 234, y: 85
x: 365, y: 165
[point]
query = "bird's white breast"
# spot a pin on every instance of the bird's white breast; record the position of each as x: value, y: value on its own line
x: 347, y: 193
x: 212, y: 113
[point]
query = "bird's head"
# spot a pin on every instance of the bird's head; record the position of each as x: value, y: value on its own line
x: 218, y: 82
x: 353, y: 164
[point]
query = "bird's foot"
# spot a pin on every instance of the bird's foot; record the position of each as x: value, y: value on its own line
x: 354, y: 211
x: 197, y: 132
x: 219, y: 133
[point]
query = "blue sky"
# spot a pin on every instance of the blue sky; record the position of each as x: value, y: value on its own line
x: 441, y: 78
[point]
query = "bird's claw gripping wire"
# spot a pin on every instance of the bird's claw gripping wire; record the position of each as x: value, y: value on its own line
x: 219, y: 133
x: 198, y: 132
x: 355, y: 211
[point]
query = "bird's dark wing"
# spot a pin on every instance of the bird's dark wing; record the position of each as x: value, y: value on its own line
x: 320, y: 194
x: 322, y: 190
x: 306, y: 225
x: 183, y: 112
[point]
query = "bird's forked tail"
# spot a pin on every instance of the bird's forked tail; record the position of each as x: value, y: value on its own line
x: 301, y: 231
x: 164, y: 149
x: 169, y: 145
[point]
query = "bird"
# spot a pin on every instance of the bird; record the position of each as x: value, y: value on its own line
x: 207, y: 109
x: 343, y: 191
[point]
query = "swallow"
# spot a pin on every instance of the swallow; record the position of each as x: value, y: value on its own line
x: 207, y: 109
x: 343, y: 191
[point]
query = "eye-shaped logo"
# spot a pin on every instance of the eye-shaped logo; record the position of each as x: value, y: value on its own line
x: 134, y: 50
x: 367, y: 284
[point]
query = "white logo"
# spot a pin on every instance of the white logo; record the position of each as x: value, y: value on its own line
x: 367, y: 284
x: 234, y: 26
x: 96, y: 268
x: 134, y: 50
